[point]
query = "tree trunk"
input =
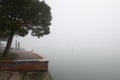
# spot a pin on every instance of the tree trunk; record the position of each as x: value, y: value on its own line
x: 8, y: 46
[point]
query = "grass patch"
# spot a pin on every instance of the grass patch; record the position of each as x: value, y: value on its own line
x: 11, y: 56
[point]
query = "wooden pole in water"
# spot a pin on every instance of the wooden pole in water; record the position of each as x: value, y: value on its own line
x: 0, y: 44
x: 16, y: 44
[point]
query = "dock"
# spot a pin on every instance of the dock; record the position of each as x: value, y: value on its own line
x: 24, y: 65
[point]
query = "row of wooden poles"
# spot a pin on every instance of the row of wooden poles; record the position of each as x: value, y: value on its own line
x: 17, y: 45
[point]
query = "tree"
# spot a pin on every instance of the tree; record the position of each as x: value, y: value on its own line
x: 18, y: 17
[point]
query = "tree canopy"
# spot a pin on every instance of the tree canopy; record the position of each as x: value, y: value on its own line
x: 21, y: 16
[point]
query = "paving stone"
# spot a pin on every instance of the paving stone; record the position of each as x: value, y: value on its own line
x: 16, y: 76
x: 4, y: 75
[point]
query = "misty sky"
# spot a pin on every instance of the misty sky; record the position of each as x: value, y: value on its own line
x: 80, y: 24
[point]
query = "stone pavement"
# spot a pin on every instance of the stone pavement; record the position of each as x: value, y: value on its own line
x: 10, y: 76
x: 25, y: 76
x: 26, y: 54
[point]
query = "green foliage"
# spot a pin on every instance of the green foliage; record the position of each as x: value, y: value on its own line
x: 22, y: 16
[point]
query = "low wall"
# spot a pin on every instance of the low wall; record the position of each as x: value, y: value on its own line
x: 24, y: 65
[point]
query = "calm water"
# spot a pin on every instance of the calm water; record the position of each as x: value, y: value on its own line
x: 76, y: 64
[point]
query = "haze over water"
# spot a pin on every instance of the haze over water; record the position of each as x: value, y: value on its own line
x: 84, y: 43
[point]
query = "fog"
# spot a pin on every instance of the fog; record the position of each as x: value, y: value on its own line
x: 84, y: 43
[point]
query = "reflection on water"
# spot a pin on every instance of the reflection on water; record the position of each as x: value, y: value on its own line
x: 84, y: 65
